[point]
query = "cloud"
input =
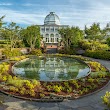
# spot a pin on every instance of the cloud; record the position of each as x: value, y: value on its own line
x: 21, y: 17
x: 71, y: 12
x: 6, y: 4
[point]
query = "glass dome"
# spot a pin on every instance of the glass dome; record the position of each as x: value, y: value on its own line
x: 51, y: 19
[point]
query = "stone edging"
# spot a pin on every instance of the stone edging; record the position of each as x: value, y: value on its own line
x: 32, y: 99
x: 92, y: 92
x: 59, y: 98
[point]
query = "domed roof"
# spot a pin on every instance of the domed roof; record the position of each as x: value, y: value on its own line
x: 52, y: 19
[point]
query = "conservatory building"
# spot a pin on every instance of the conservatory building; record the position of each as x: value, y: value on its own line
x: 49, y: 31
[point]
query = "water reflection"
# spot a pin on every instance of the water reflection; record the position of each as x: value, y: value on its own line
x: 51, y: 68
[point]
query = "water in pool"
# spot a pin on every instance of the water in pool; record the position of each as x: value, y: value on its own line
x: 50, y: 68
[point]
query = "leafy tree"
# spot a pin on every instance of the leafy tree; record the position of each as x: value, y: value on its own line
x: 1, y: 25
x: 76, y: 36
x: 12, y: 33
x: 31, y: 36
x: 71, y: 36
x: 108, y: 41
x: 106, y: 31
x: 1, y: 21
x: 94, y: 32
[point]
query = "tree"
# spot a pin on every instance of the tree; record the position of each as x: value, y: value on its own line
x: 31, y: 36
x: 12, y: 33
x: 106, y: 31
x: 76, y: 36
x: 108, y: 41
x: 94, y: 32
x: 1, y: 25
x: 71, y: 36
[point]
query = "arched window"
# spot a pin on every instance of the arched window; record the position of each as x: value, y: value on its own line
x: 56, y: 35
x: 47, y: 39
x: 52, y: 39
x: 47, y: 35
x: 51, y: 35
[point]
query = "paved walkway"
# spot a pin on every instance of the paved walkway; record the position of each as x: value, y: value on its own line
x: 92, y: 102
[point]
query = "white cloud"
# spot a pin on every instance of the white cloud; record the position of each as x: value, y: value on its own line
x: 20, y: 17
x: 74, y: 14
x: 5, y: 4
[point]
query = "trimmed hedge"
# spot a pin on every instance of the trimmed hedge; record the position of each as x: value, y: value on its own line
x: 99, y: 54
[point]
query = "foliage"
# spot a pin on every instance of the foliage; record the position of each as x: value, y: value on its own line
x: 1, y: 21
x: 34, y: 88
x: 97, y: 66
x: 31, y: 36
x: 106, y: 99
x: 57, y: 88
x: 94, y: 32
x: 17, y: 58
x: 13, y: 53
x: 4, y: 67
x: 35, y: 82
x: 108, y: 41
x: 13, y: 89
x: 93, y: 45
x: 22, y: 91
x: 28, y: 84
x: 36, y: 52
x: 17, y: 83
x: 98, y: 54
x: 12, y: 34
x: 71, y: 37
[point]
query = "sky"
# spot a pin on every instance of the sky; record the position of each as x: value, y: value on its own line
x: 71, y: 12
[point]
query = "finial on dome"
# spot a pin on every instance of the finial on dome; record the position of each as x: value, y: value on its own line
x: 52, y: 12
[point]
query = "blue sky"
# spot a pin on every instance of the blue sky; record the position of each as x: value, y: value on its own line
x: 71, y: 12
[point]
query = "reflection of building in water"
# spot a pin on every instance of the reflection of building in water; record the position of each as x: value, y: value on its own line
x: 52, y: 67
x: 47, y: 69
x: 52, y: 62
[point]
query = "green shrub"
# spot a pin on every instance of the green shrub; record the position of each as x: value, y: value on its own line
x: 57, y: 88
x: 108, y: 41
x: 13, y: 89
x: 17, y: 83
x: 28, y: 84
x: 13, y: 53
x: 36, y: 52
x: 100, y: 54
x: 106, y: 99
x: 22, y: 91
x: 4, y: 67
x: 17, y: 58
x: 35, y: 82
x: 69, y: 51
x: 93, y: 45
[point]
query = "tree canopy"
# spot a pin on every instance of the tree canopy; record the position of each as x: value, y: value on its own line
x: 71, y: 36
x: 94, y: 32
x: 31, y: 36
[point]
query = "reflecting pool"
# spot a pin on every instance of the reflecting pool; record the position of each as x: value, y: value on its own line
x: 51, y: 68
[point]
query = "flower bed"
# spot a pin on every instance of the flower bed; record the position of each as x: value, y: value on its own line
x: 33, y: 89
